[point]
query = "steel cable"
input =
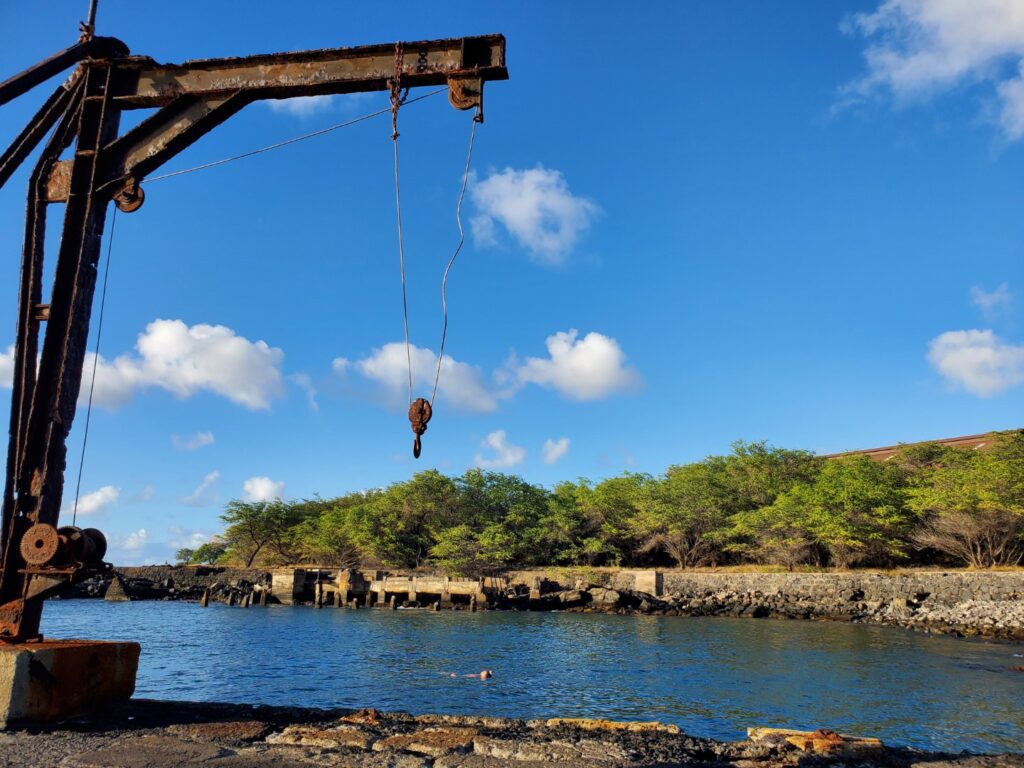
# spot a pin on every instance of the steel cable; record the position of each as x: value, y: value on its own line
x: 451, y: 261
x: 294, y: 140
x: 95, y: 363
x: 401, y: 264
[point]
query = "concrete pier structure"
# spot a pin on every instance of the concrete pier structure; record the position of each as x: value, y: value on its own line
x: 56, y: 679
x: 342, y: 587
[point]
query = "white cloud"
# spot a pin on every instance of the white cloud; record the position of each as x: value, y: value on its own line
x: 307, y: 106
x: 185, y: 360
x: 92, y: 503
x: 262, y: 489
x: 462, y: 385
x: 978, y: 361
x: 505, y: 454
x: 305, y: 383
x: 920, y: 47
x: 590, y: 368
x: 187, y: 537
x: 992, y: 303
x: 192, y: 442
x: 301, y: 106
x: 133, y: 541
x: 7, y: 368
x: 553, y: 450
x: 204, y: 493
x: 536, y: 207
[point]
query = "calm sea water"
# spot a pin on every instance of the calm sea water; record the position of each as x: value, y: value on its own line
x: 712, y: 677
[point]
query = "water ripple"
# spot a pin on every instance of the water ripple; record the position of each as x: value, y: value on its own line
x: 712, y: 677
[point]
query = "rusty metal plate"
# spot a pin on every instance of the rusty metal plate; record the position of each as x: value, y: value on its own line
x: 59, y: 182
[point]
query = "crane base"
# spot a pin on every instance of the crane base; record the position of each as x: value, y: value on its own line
x: 56, y: 679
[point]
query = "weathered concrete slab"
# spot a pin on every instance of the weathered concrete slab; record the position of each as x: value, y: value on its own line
x: 430, y: 741
x: 148, y: 752
x: 151, y: 734
x: 55, y: 679
x: 820, y: 742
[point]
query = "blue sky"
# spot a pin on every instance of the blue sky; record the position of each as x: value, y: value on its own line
x: 688, y: 223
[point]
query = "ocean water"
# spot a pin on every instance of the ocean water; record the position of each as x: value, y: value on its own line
x: 711, y: 676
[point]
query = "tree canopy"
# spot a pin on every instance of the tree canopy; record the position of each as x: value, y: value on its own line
x: 927, y: 504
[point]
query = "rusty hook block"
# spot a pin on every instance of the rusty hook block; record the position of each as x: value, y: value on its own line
x: 419, y: 414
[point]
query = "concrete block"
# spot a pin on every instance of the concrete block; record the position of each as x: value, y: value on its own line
x: 54, y: 679
x: 287, y: 584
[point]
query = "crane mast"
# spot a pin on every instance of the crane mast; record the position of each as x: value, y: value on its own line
x: 37, y: 557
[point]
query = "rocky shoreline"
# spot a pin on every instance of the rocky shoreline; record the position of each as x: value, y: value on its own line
x: 964, y: 604
x: 162, y: 734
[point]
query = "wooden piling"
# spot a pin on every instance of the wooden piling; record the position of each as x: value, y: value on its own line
x: 205, y: 599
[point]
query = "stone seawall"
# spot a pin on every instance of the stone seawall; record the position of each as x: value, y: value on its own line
x: 989, y: 604
x: 967, y: 603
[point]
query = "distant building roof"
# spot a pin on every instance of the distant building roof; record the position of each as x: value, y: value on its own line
x: 967, y: 443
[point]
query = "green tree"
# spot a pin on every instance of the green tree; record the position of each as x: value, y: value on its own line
x: 609, y: 509
x: 757, y: 473
x: 210, y: 552
x: 325, y: 534
x: 398, y: 526
x: 505, y: 513
x: 776, y: 534
x: 260, y: 529
x: 686, y: 514
x: 562, y: 527
x: 466, y: 552
x: 204, y: 554
x: 854, y: 510
x: 973, y: 504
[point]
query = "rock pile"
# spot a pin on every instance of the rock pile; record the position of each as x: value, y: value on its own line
x: 227, y: 585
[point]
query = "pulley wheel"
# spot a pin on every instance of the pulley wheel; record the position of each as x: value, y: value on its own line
x: 40, y: 543
x: 130, y: 199
x: 99, y: 543
x: 78, y: 545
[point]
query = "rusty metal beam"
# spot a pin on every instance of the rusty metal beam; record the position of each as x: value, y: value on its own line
x: 47, y: 116
x: 311, y: 73
x: 39, y: 480
x: 30, y: 314
x: 97, y: 47
x: 151, y: 143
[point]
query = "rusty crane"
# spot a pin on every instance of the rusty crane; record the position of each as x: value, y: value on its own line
x: 37, y: 557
